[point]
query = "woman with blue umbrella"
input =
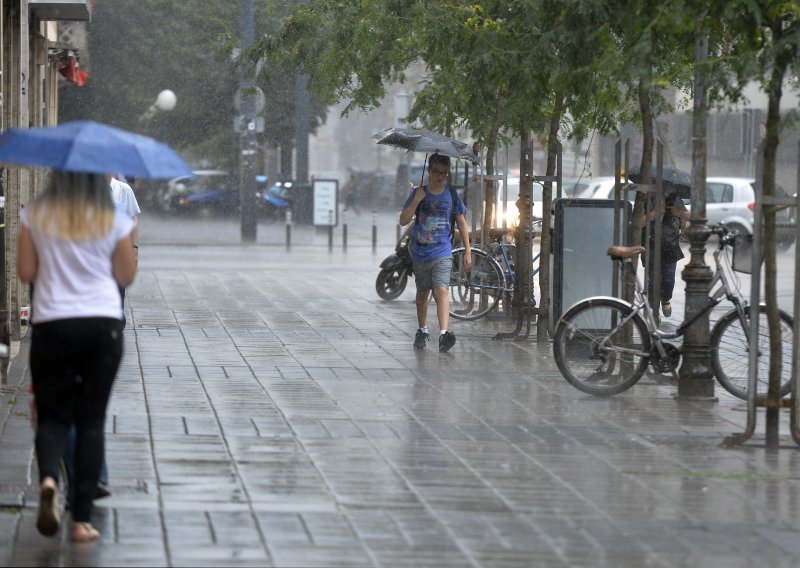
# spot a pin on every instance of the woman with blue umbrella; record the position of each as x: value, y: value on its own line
x: 75, y: 248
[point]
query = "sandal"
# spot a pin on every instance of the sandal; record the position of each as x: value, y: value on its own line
x: 666, y: 307
x: 84, y: 532
x: 49, y: 518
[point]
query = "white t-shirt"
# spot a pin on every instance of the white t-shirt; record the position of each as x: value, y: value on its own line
x: 75, y: 278
x: 124, y: 199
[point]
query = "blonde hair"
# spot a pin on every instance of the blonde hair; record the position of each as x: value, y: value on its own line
x: 74, y: 206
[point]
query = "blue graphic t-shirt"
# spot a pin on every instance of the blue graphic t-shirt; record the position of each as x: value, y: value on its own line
x: 430, y: 238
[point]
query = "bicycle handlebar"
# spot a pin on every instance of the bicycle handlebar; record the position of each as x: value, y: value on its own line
x: 726, y: 236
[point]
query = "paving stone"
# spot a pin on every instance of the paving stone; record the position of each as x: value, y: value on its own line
x: 265, y: 418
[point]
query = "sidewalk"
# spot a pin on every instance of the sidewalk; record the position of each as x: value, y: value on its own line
x: 270, y: 411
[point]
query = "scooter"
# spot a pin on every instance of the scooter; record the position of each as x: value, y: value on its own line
x: 395, y: 269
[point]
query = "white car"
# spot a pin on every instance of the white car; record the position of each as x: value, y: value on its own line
x: 511, y: 211
x: 598, y: 188
x: 731, y: 200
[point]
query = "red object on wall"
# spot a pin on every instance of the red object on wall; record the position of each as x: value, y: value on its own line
x: 70, y: 70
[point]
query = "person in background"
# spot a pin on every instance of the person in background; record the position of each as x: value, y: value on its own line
x: 125, y: 201
x: 674, y: 212
x: 76, y: 248
x: 436, y: 208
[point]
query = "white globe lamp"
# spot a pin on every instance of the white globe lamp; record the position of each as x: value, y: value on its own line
x: 166, y: 100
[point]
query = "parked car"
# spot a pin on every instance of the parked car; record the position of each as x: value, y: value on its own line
x: 731, y: 200
x: 205, y: 192
x: 598, y: 188
x: 511, y: 210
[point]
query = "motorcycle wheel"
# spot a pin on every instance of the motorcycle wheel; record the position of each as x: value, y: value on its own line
x: 391, y: 283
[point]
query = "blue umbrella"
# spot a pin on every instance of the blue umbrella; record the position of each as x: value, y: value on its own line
x: 87, y: 146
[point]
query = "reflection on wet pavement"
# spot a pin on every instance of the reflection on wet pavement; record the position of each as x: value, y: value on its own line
x: 270, y: 411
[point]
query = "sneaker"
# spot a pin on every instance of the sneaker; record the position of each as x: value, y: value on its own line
x: 446, y: 341
x: 420, y: 339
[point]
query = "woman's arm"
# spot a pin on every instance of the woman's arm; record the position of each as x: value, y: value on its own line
x: 27, y: 257
x: 123, y: 262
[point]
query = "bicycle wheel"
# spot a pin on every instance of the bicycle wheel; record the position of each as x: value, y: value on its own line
x: 730, y: 352
x: 598, y: 353
x: 475, y: 293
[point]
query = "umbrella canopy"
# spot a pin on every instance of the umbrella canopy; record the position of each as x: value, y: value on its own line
x: 426, y: 141
x: 92, y: 147
x: 670, y: 173
x: 674, y: 179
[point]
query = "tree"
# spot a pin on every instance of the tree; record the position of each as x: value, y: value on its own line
x: 181, y: 51
x: 763, y: 45
x: 188, y: 49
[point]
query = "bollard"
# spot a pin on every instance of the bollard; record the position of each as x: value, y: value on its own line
x: 288, y: 229
x: 374, y: 230
x: 344, y: 231
x: 330, y: 230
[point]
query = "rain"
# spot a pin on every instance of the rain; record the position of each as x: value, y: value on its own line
x: 274, y: 407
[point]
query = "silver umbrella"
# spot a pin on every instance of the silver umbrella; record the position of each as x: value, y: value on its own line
x: 426, y: 141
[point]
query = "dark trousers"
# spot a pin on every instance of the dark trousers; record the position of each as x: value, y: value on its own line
x: 667, y: 282
x: 73, y: 363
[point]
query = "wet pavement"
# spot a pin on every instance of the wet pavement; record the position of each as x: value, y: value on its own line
x: 270, y: 411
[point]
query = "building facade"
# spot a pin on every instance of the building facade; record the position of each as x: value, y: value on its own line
x: 41, y: 42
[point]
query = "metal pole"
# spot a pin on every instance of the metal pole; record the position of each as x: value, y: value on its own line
x: 696, y: 375
x: 301, y: 127
x: 330, y: 230
x: 247, y: 172
x: 374, y: 230
x: 288, y: 229
x: 795, y: 413
x: 344, y: 231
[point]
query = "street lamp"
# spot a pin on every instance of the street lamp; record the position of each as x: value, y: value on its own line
x: 165, y: 101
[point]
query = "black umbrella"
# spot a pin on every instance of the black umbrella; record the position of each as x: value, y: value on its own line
x: 670, y: 174
x: 426, y: 141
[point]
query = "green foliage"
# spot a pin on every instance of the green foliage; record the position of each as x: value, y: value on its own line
x: 137, y: 48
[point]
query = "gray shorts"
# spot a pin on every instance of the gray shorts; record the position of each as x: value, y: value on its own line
x: 433, y: 273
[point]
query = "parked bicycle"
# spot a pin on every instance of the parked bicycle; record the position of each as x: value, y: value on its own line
x: 603, y: 345
x: 491, y: 280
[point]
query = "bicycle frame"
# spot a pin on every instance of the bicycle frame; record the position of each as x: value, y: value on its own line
x: 720, y: 287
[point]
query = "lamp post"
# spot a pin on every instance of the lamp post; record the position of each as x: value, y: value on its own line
x: 165, y: 101
x: 696, y: 375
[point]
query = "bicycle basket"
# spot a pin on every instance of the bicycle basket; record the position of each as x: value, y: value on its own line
x: 743, y: 254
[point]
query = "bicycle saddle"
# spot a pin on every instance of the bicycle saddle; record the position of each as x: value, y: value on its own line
x: 617, y: 251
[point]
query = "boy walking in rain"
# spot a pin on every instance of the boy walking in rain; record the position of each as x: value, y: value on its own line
x: 437, y: 208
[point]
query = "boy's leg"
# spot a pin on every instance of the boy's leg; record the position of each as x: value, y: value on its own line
x: 442, y: 270
x: 440, y: 294
x: 423, y: 298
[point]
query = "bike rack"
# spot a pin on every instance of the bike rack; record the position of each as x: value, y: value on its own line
x: 753, y: 400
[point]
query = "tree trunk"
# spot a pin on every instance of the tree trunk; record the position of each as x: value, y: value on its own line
x: 524, y: 252
x: 543, y: 321
x: 490, y: 203
x: 286, y: 160
x: 645, y: 175
x: 774, y: 94
x: 490, y: 200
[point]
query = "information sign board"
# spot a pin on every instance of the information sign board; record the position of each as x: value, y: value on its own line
x: 325, y: 193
